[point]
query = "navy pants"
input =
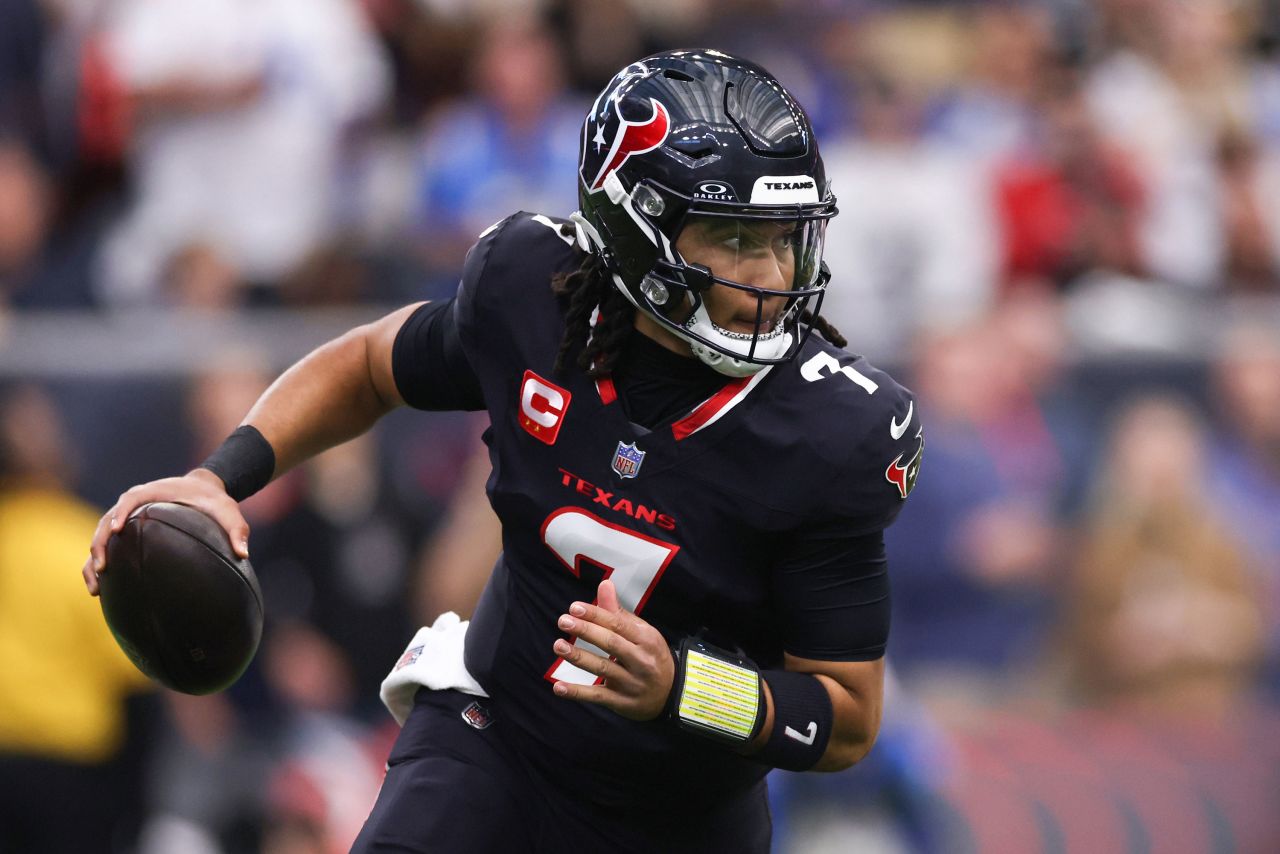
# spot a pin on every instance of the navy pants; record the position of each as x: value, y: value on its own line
x: 454, y: 787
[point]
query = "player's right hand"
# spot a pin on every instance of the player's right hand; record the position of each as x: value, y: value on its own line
x: 200, y: 488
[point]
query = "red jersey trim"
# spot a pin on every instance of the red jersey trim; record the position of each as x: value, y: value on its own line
x: 608, y: 393
x: 715, y: 407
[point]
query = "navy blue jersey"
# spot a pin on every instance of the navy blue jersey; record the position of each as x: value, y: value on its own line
x: 705, y: 524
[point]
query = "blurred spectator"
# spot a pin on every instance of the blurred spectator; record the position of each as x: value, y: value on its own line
x: 1171, y: 81
x: 990, y: 111
x: 22, y: 45
x: 512, y: 146
x: 238, y: 115
x: 456, y: 561
x: 1245, y: 455
x: 197, y: 276
x: 602, y: 37
x: 1162, y: 610
x: 321, y: 793
x: 1251, y: 220
x: 914, y: 246
x: 428, y: 51
x: 338, y: 563
x: 66, y: 781
x: 46, y: 247
x: 335, y: 274
x: 1071, y: 203
x: 25, y: 210
x: 978, y: 552
x: 332, y: 546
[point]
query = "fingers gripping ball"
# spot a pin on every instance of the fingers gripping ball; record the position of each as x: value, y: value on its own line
x: 182, y: 606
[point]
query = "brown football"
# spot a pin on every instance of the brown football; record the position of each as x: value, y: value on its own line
x: 184, y: 608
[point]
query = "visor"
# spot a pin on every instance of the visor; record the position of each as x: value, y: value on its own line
x: 767, y: 270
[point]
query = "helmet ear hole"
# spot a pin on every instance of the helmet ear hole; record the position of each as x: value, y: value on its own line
x: 653, y: 288
x: 648, y: 201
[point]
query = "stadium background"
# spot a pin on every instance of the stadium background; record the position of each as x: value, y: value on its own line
x: 1060, y: 223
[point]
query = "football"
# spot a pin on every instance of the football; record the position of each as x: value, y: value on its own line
x: 184, y: 608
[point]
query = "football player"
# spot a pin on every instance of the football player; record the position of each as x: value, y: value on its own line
x: 692, y: 488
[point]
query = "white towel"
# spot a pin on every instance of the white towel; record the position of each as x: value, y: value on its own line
x: 433, y: 659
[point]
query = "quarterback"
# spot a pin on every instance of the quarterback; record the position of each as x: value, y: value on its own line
x: 693, y: 489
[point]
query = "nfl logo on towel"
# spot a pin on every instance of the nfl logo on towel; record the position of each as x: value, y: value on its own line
x: 409, y: 657
x: 627, y: 459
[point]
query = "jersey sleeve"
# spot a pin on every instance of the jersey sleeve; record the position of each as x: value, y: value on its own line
x: 831, y: 579
x: 431, y: 370
x: 883, y: 453
x: 476, y: 299
x: 831, y: 590
x: 506, y: 313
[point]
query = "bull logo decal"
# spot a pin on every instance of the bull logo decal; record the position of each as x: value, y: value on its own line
x: 631, y: 138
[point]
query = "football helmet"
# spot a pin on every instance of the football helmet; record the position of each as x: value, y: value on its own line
x: 699, y: 153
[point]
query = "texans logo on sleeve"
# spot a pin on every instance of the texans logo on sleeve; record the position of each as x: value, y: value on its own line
x: 903, y: 475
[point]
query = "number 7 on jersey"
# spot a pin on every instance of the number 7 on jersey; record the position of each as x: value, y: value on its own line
x: 633, y: 561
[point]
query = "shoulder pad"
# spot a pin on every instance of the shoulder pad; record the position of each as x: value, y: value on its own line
x: 504, y: 298
x: 872, y: 426
x: 524, y: 229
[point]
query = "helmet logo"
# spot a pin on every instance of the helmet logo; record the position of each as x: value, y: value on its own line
x: 784, y: 189
x: 633, y: 138
x: 717, y: 191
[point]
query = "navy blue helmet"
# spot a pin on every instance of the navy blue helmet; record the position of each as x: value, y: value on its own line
x: 699, y: 138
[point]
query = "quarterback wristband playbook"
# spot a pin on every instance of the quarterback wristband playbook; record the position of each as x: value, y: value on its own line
x: 716, y: 693
x: 245, y: 462
x: 720, y: 695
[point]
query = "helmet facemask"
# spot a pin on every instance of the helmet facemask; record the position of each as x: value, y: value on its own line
x: 732, y: 280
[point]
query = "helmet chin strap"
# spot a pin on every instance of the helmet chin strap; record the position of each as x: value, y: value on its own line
x: 770, y: 347
x: 586, y: 236
x: 722, y: 364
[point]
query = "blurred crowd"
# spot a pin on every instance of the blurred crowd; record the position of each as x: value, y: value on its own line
x: 1060, y: 222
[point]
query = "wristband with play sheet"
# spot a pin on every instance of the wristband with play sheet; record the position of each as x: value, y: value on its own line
x: 716, y: 693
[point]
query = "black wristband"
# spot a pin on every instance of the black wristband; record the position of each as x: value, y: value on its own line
x: 802, y: 719
x: 245, y: 462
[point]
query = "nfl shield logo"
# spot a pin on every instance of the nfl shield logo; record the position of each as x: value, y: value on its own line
x: 627, y: 459
x: 409, y: 657
x: 477, y: 716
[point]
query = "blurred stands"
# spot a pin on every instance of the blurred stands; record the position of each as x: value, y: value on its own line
x: 1060, y: 225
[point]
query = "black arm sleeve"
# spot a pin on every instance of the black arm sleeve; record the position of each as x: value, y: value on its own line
x: 430, y: 369
x: 832, y: 590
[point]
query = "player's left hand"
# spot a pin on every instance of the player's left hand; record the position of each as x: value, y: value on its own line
x: 638, y: 673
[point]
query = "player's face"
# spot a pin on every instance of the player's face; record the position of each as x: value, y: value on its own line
x: 758, y: 253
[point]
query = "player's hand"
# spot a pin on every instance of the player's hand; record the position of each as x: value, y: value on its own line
x: 638, y: 674
x: 201, y: 489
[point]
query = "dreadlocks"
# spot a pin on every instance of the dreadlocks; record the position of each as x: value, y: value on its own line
x: 824, y: 328
x: 586, y: 288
